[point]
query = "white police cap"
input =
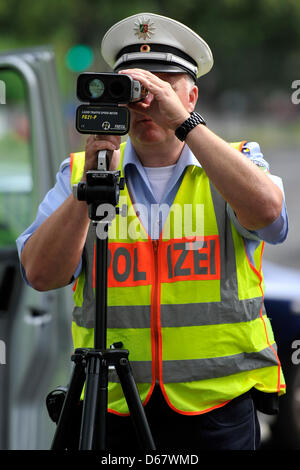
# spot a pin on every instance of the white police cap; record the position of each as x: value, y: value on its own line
x: 156, y: 43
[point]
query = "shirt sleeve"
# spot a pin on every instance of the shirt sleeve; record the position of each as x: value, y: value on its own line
x: 53, y: 199
x: 277, y: 231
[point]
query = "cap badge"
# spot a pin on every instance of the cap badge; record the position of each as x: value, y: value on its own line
x: 144, y: 28
x: 145, y: 48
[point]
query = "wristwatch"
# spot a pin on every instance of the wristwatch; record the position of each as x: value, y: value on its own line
x: 182, y: 131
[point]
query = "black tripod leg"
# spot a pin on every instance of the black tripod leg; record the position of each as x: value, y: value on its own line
x: 71, y: 401
x: 135, y: 405
x: 93, y: 425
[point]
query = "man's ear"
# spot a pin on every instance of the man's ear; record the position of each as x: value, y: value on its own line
x: 193, y: 97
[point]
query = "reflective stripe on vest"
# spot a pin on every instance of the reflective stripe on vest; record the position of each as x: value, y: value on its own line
x: 190, y: 309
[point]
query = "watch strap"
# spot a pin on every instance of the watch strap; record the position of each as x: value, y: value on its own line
x: 182, y: 131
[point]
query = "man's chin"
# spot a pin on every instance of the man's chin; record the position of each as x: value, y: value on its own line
x: 148, y: 133
x: 148, y: 138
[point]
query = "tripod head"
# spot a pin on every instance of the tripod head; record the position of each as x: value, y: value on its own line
x: 102, y: 186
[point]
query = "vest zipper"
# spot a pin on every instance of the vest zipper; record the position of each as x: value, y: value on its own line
x: 155, y: 304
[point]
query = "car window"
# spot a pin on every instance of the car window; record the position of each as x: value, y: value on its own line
x: 15, y: 157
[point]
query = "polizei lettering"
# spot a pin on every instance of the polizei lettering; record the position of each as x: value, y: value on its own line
x: 125, y: 265
x: 131, y: 264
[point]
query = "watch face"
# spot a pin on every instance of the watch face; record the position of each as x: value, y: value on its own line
x: 181, y: 132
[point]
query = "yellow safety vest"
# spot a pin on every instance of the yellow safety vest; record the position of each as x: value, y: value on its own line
x: 188, y: 307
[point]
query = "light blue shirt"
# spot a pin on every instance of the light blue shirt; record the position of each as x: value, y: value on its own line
x: 140, y: 191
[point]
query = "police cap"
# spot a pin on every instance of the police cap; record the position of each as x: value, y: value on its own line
x: 156, y: 43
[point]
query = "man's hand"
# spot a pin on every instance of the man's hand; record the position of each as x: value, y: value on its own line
x: 94, y: 144
x: 166, y: 103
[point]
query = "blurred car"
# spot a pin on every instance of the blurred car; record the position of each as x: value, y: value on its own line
x: 282, y: 301
x: 35, y: 336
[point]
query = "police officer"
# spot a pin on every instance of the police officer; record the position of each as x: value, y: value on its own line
x: 193, y: 319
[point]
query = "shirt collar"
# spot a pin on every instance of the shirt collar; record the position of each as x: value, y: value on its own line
x: 186, y: 158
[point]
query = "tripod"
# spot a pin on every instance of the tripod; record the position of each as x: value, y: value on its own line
x: 92, y: 365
